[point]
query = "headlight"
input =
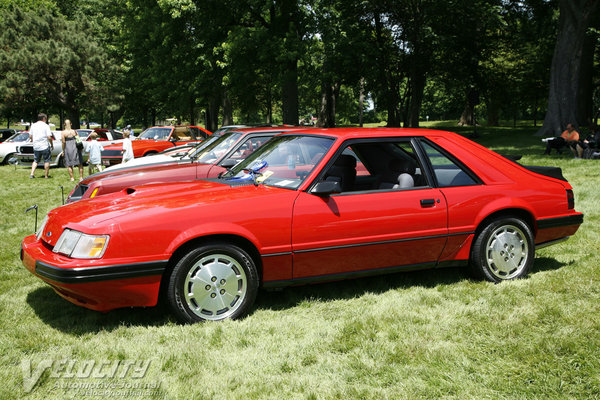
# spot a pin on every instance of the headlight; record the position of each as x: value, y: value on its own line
x: 38, y: 234
x: 79, y: 245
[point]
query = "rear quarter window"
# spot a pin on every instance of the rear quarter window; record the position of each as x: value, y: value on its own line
x: 447, y: 171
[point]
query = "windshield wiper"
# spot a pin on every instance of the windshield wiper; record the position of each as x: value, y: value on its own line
x: 252, y: 172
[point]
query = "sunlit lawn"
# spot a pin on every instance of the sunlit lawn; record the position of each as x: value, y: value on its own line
x: 426, y: 334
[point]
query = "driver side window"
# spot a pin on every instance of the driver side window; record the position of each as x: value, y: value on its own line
x: 390, y: 164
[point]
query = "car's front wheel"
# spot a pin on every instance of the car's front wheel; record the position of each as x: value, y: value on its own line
x: 503, y: 250
x: 215, y: 281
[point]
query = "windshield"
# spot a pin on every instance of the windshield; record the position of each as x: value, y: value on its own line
x: 285, y: 161
x: 83, y: 133
x: 156, y: 133
x: 18, y: 137
x: 199, y: 148
x: 218, y: 148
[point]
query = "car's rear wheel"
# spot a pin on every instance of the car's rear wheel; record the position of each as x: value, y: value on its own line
x: 503, y: 250
x: 213, y: 282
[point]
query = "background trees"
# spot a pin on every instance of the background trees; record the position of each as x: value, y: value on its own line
x: 279, y: 61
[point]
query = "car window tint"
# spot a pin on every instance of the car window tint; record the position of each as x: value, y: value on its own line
x: 156, y: 133
x: 117, y: 135
x: 102, y: 135
x: 83, y: 133
x: 20, y: 137
x: 286, y: 161
x: 377, y: 165
x: 218, y: 148
x: 447, y: 172
x: 198, y: 133
x: 248, y: 147
x: 182, y: 133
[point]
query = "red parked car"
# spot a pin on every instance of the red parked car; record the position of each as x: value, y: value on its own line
x: 306, y: 207
x: 208, y: 162
x: 154, y: 140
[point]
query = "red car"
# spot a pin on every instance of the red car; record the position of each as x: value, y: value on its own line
x: 208, y: 162
x: 154, y: 140
x: 306, y: 207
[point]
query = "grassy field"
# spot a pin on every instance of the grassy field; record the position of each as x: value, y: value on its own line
x: 428, y: 334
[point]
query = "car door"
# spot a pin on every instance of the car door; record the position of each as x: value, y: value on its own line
x: 369, y: 230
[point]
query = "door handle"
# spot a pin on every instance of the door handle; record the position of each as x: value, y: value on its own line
x: 427, y: 202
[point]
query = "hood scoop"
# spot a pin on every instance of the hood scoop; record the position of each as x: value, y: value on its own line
x: 130, y: 191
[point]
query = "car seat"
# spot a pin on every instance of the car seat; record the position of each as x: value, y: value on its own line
x: 343, y: 171
x: 399, y: 175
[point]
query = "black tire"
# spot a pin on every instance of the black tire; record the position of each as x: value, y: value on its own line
x: 8, y: 156
x: 503, y: 250
x: 215, y: 281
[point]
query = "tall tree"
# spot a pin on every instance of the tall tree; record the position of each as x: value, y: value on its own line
x: 565, y: 73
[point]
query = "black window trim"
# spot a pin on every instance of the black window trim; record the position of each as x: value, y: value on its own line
x: 349, y: 142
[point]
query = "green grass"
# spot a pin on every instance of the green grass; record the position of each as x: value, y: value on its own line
x: 426, y: 334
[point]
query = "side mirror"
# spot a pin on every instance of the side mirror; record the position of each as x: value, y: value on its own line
x: 326, y: 188
x: 229, y: 163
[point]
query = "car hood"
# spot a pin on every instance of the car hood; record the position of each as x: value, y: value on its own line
x: 142, y: 202
x: 167, y: 165
x: 144, y: 161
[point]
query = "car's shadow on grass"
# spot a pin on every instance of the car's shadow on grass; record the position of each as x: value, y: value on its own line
x: 69, y: 318
x: 353, y: 288
x: 348, y: 289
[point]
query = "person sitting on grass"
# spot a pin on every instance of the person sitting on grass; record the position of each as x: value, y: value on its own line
x: 570, y: 137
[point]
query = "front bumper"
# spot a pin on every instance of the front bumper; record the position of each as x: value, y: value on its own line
x: 97, y: 287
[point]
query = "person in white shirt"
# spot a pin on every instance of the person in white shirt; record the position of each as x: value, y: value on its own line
x: 127, y: 148
x: 95, y: 150
x: 41, y: 136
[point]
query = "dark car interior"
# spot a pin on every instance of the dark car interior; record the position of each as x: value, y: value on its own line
x: 393, y: 165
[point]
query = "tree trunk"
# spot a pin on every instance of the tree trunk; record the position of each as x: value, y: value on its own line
x: 566, y: 65
x: 492, y: 113
x: 585, y: 107
x: 269, y: 105
x: 416, y: 100
x: 73, y: 114
x: 227, y: 110
x: 466, y: 117
x: 192, y: 112
x: 329, y: 96
x: 361, y: 102
x: 212, y: 115
x: 290, y: 94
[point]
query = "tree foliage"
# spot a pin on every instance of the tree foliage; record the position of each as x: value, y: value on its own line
x: 276, y: 61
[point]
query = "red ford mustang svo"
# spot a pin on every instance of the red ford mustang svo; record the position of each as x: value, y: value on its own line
x: 306, y: 207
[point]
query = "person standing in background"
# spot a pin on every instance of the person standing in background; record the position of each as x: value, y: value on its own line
x: 41, y: 136
x: 127, y: 148
x: 72, y: 148
x: 95, y: 154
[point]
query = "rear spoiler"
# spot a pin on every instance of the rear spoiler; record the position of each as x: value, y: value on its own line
x: 552, y: 172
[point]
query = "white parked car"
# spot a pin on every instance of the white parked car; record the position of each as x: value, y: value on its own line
x: 106, y: 137
x: 8, y: 148
x: 173, y: 154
